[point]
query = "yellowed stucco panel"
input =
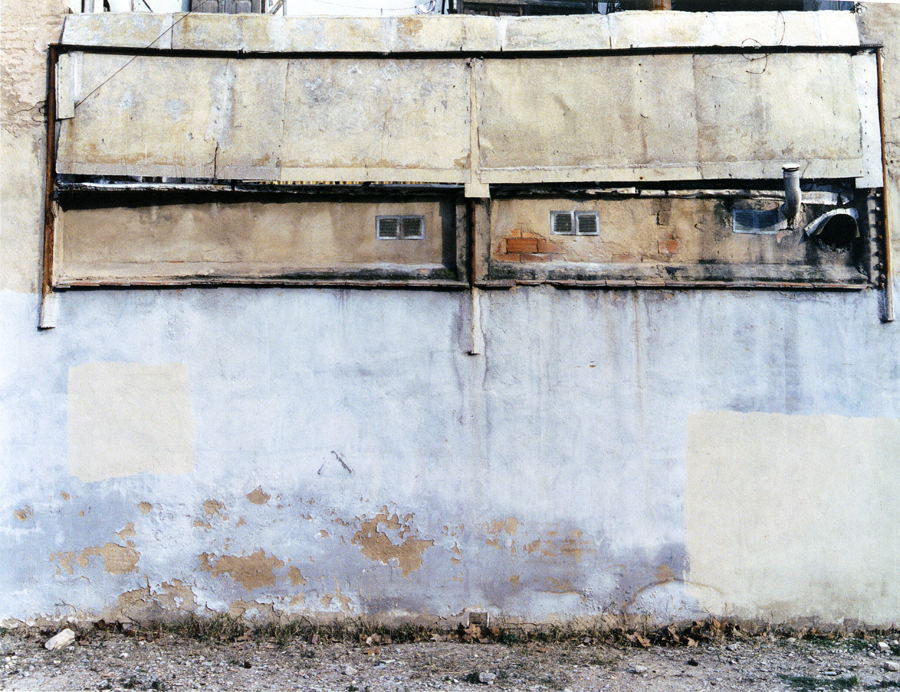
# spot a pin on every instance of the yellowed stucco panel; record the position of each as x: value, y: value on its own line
x: 668, y: 117
x: 614, y: 111
x: 793, y: 516
x: 127, y: 418
x: 216, y: 117
x: 800, y: 106
x: 245, y: 239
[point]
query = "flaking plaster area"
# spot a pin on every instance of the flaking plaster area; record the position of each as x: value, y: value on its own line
x: 794, y: 515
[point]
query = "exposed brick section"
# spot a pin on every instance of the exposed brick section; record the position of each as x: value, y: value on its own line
x: 548, y: 247
x: 521, y: 245
x: 525, y: 246
x: 668, y: 246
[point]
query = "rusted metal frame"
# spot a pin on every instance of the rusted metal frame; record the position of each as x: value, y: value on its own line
x: 887, y: 298
x: 49, y: 189
x: 445, y: 55
x: 209, y: 282
x: 633, y: 283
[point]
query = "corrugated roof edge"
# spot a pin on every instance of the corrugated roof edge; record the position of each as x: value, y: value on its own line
x: 256, y: 33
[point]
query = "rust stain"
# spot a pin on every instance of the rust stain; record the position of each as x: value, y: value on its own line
x: 572, y: 546
x: 214, y: 507
x: 296, y: 577
x: 23, y: 514
x: 251, y: 571
x: 258, y: 496
x: 561, y: 586
x: 127, y: 532
x: 145, y: 507
x: 117, y: 559
x: 664, y: 574
x: 376, y: 545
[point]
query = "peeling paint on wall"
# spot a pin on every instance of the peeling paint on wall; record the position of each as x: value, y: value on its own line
x: 24, y: 514
x: 252, y: 571
x: 258, y: 496
x: 375, y: 544
x: 117, y: 559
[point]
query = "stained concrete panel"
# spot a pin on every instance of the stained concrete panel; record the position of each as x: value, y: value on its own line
x: 642, y: 237
x: 779, y: 108
x: 793, y: 515
x: 615, y: 112
x: 668, y: 117
x: 275, y: 119
x: 463, y: 33
x: 125, y: 419
x: 245, y: 239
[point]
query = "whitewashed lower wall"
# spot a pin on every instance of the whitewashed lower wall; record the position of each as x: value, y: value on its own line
x: 338, y: 453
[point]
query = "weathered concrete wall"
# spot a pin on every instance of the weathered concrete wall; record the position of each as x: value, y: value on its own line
x: 323, y: 451
x: 245, y: 239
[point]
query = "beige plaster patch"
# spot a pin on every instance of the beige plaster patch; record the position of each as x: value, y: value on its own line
x: 117, y: 559
x: 251, y: 571
x: 145, y: 507
x: 214, y: 507
x: 24, y: 514
x: 127, y: 418
x: 296, y: 577
x: 66, y: 560
x: 258, y: 496
x: 794, y: 516
x: 377, y: 545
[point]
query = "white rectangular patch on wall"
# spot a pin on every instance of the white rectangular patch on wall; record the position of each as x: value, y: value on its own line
x: 124, y: 419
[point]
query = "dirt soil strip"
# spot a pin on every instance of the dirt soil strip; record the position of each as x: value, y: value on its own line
x: 114, y: 661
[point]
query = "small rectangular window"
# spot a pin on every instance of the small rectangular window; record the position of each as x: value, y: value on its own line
x: 388, y: 227
x: 394, y: 227
x: 561, y: 223
x: 574, y: 222
x: 412, y: 226
x: 587, y: 223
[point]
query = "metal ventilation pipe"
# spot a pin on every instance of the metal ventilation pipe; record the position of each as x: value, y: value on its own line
x: 793, y: 199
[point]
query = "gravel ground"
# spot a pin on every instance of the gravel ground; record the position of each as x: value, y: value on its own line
x: 110, y: 660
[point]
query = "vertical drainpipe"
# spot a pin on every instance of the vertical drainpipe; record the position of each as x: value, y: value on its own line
x: 792, y: 194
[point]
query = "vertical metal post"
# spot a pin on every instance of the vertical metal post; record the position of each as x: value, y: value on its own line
x: 887, y: 295
x: 48, y: 298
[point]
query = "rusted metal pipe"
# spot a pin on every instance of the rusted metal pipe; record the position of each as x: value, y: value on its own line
x: 792, y: 196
